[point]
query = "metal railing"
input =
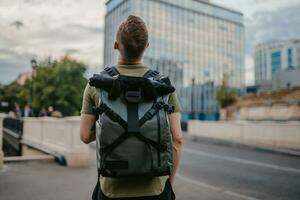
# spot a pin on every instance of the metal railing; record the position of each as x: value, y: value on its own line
x: 12, y: 134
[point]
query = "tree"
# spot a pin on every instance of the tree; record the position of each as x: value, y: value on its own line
x: 58, y: 83
x: 8, y: 93
x: 225, y: 95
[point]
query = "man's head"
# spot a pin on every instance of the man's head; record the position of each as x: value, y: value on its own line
x: 132, y: 38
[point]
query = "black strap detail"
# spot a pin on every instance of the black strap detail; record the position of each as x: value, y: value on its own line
x: 116, y: 164
x: 152, y: 112
x: 169, y: 108
x: 112, y: 71
x: 133, y: 98
x: 151, y: 73
x: 103, y: 108
x: 156, y: 145
x: 109, y: 148
x: 132, y: 118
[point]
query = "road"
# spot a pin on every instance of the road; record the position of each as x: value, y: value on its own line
x: 246, y: 173
x: 207, y: 172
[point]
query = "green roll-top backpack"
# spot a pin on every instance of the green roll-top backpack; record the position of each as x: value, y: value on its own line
x: 134, y: 138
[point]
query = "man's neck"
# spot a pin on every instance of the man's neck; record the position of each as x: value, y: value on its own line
x: 122, y: 61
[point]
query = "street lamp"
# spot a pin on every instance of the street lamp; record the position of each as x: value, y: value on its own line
x: 192, y: 99
x: 33, y: 66
x: 33, y: 63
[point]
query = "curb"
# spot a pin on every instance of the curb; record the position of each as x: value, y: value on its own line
x: 202, y: 139
x: 27, y: 158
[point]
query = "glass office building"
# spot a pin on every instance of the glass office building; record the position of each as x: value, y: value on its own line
x: 275, y: 56
x: 189, y: 40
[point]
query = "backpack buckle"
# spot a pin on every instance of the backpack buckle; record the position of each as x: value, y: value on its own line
x: 133, y: 96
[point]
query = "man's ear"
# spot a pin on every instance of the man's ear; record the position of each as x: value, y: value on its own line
x: 116, y: 45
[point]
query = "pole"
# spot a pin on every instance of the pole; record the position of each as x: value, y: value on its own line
x: 33, y: 67
x: 192, y: 98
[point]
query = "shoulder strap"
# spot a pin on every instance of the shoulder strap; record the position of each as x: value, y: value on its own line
x: 112, y: 71
x: 151, y: 73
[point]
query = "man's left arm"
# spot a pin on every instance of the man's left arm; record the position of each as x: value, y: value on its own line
x: 87, y: 128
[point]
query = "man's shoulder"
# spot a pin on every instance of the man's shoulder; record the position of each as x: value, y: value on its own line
x: 91, y: 92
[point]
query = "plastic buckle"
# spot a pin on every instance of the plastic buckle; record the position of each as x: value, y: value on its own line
x: 133, y: 96
x: 169, y: 108
x: 159, y: 105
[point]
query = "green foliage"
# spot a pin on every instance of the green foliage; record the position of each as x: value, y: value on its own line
x: 57, y: 83
x: 225, y: 95
x: 8, y: 93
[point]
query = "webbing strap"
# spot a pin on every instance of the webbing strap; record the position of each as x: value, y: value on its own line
x: 103, y: 108
x: 109, y: 148
x: 151, y: 73
x: 151, y: 112
x: 132, y: 118
x: 133, y: 98
x: 112, y: 71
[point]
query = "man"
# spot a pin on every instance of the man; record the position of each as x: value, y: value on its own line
x: 131, y: 42
x: 27, y: 111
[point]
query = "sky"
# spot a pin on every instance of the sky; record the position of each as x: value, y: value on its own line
x: 43, y: 28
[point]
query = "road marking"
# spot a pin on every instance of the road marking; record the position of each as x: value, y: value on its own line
x: 243, y: 161
x: 216, y: 189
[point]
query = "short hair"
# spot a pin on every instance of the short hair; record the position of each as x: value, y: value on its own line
x: 133, y: 35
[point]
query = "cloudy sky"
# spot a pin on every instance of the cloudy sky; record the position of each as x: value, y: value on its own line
x: 42, y: 28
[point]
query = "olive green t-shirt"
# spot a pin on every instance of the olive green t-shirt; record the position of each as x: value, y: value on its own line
x: 133, y: 187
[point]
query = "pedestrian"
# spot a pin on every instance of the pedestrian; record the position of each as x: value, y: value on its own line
x: 43, y: 113
x: 130, y: 178
x: 17, y: 111
x: 50, y: 110
x: 27, y: 112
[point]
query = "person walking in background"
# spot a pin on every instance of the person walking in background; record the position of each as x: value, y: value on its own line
x: 27, y: 112
x: 131, y: 42
x: 17, y: 111
x: 50, y: 110
x: 43, y: 113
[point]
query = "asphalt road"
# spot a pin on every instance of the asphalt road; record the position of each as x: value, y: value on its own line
x: 246, y: 173
x: 207, y: 172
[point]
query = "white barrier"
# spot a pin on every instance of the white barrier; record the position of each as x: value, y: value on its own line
x: 285, y: 135
x: 279, y: 112
x: 2, y: 116
x: 60, y: 135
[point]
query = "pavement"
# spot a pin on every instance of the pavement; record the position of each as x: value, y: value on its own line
x: 207, y: 172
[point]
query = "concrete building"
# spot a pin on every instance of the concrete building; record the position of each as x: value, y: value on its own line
x: 286, y: 79
x: 189, y: 40
x: 274, y: 56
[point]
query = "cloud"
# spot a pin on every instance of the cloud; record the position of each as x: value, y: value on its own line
x: 49, y: 28
x: 278, y: 24
x: 283, y: 23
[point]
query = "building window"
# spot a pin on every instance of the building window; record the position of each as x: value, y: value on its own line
x: 290, y: 60
x: 276, y: 61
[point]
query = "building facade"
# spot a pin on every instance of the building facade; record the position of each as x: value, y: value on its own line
x: 275, y: 56
x: 189, y: 40
x: 286, y: 79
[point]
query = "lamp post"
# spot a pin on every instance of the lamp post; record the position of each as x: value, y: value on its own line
x: 33, y: 67
x: 192, y: 99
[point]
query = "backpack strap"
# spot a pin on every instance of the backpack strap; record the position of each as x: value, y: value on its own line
x: 112, y: 71
x: 151, y: 73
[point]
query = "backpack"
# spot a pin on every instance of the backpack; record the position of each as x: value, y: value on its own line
x: 134, y: 138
